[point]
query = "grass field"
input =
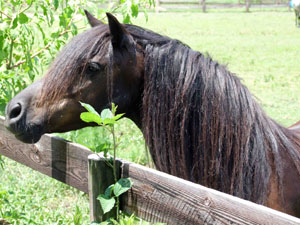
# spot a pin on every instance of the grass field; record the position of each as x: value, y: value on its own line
x: 261, y: 47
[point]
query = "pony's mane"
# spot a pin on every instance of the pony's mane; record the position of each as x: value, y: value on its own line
x: 202, y: 124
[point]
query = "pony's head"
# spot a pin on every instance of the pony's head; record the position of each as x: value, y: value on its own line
x: 100, y: 66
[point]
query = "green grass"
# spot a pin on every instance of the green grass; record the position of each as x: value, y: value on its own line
x: 261, y: 47
x: 27, y: 197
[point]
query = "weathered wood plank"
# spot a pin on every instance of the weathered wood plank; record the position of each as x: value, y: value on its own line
x: 159, y: 197
x: 4, y: 222
x: 100, y: 177
x: 53, y: 156
x: 213, y: 5
x: 179, y: 2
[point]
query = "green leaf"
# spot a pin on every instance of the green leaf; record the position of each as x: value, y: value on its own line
x: 74, y: 30
x: 52, y: 19
x: 106, y: 114
x: 106, y: 203
x: 44, y: 10
x: 89, y: 108
x: 108, y: 121
x: 109, y: 190
x: 123, y: 185
x: 126, y: 19
x: 89, y: 117
x: 31, y: 75
x: 113, y: 120
x: 114, y: 108
x: 41, y: 29
x: 116, y: 117
x: 62, y: 21
x: 15, y: 23
x: 23, y: 18
x: 134, y: 10
x: 69, y: 11
x: 103, y: 147
x: 55, y: 34
x: 77, y: 218
x: 56, y: 3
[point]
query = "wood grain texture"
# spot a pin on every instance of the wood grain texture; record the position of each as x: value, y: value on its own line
x: 100, y: 177
x: 53, y: 156
x: 159, y: 197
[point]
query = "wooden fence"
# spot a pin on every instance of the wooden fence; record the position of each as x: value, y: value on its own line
x: 163, y: 5
x: 155, y: 196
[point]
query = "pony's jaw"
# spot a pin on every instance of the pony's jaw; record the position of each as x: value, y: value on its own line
x: 28, y: 121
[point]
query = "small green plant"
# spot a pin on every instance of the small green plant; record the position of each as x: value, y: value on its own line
x: 107, y: 119
x: 1, y: 162
x: 77, y: 218
x: 128, y: 220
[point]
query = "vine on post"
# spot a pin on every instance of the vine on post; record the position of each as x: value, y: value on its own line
x: 107, y: 119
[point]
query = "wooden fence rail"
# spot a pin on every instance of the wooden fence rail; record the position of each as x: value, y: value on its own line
x: 163, y: 5
x: 155, y: 196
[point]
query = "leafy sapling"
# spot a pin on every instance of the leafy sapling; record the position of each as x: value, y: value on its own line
x: 107, y: 119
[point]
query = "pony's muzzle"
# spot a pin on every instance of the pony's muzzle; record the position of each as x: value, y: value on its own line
x: 15, y: 112
x: 16, y: 122
x: 14, y: 117
x: 19, y: 116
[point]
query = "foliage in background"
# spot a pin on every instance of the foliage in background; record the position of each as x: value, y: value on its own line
x: 23, y: 54
x: 33, y: 31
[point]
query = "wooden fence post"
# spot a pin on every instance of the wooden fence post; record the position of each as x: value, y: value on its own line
x: 247, y: 5
x: 203, y: 4
x: 157, y: 6
x: 100, y: 177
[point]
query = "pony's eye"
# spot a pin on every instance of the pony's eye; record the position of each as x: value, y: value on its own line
x: 93, y: 67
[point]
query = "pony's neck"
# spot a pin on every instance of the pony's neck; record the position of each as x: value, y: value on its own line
x: 202, y: 124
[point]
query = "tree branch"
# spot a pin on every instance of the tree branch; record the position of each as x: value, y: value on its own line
x: 38, y: 52
x: 5, y: 14
x: 10, y: 54
x: 45, y: 47
x: 28, y: 7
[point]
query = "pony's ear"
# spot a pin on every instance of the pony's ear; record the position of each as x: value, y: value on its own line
x: 120, y: 37
x: 93, y: 21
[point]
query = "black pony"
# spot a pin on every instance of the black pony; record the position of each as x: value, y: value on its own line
x: 199, y: 121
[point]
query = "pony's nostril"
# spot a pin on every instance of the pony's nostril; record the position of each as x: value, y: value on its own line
x: 15, y: 111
